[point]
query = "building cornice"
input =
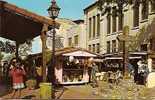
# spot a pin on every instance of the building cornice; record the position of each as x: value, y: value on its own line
x: 90, y: 6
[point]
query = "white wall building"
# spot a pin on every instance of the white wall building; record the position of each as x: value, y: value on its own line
x: 102, y: 29
x: 68, y: 29
x: 76, y: 35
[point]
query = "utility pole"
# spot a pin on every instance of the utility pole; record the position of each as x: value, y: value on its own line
x: 125, y: 38
x: 125, y: 51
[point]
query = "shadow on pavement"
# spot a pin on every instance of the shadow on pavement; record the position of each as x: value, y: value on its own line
x: 61, y: 90
x: 29, y: 97
x: 5, y: 89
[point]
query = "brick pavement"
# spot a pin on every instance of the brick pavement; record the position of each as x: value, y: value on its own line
x: 70, y: 92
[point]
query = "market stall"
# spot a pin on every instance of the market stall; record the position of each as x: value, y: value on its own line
x: 72, y: 65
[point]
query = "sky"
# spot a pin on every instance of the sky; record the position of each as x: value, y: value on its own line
x: 70, y: 9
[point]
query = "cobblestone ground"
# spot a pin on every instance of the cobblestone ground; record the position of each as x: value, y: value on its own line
x: 126, y: 89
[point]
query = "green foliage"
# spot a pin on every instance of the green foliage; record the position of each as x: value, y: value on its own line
x: 25, y: 48
x: 137, y: 40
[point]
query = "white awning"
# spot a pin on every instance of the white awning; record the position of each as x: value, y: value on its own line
x: 80, y: 54
x: 139, y: 53
x: 117, y: 58
x: 98, y: 60
x: 110, y: 58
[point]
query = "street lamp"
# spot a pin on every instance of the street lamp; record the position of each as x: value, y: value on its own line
x: 53, y: 11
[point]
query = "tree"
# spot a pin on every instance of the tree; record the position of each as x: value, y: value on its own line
x: 25, y: 48
x: 10, y: 47
x: 105, y: 5
x: 7, y: 47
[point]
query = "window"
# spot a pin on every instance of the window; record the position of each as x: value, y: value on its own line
x: 136, y: 16
x: 145, y: 10
x: 89, y: 47
x: 108, y: 24
x: 69, y: 41
x: 76, y: 40
x: 153, y: 6
x: 113, y: 45
x: 120, y: 22
x: 98, y: 48
x: 90, y: 28
x: 144, y: 47
x: 98, y: 24
x: 94, y: 23
x: 93, y: 47
x: 153, y: 64
x: 120, y: 46
x: 151, y: 44
x: 108, y: 46
x: 114, y: 23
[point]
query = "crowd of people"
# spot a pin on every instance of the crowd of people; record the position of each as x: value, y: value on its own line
x: 14, y: 74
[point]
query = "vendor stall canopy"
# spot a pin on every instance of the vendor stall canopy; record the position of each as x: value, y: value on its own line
x: 69, y: 51
x: 18, y: 24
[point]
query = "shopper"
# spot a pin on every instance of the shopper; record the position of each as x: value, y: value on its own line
x: 17, y: 73
x: 93, y: 75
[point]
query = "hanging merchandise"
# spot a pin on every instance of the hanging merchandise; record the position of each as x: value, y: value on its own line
x: 76, y: 61
x: 71, y: 58
x: 91, y: 59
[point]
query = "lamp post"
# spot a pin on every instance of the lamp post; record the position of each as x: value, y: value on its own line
x: 53, y: 11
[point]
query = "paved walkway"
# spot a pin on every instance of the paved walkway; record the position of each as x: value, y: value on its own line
x: 3, y: 89
x: 69, y: 92
x: 104, y: 91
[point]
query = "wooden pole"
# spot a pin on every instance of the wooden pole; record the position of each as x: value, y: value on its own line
x: 17, y: 48
x: 43, y: 38
x: 125, y: 51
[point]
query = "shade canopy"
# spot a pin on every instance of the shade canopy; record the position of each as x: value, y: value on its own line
x: 18, y: 24
x: 80, y: 53
x: 119, y: 58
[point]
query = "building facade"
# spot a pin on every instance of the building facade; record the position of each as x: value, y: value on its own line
x: 94, y: 37
x: 76, y: 36
x: 104, y: 26
x: 70, y: 34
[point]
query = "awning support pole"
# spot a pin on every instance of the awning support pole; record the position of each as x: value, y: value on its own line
x: 43, y: 38
x: 17, y: 48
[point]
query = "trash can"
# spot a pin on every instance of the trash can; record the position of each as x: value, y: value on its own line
x: 45, y: 90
